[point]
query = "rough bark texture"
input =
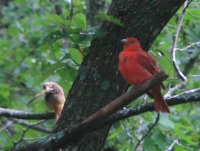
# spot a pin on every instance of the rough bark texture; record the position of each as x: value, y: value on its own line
x: 99, y: 80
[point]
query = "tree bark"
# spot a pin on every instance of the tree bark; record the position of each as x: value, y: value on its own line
x: 99, y: 80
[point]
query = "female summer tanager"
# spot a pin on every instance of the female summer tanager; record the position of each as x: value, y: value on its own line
x: 136, y: 66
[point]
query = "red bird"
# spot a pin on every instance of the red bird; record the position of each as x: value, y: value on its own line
x: 136, y: 66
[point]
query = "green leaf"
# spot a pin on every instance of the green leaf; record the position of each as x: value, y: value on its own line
x: 186, y: 133
x: 149, y: 145
x: 54, y: 36
x: 56, y: 19
x: 114, y: 134
x: 160, y: 139
x: 180, y: 148
x: 67, y: 77
x: 76, y: 56
x: 79, y: 21
x: 165, y: 121
x: 49, y: 70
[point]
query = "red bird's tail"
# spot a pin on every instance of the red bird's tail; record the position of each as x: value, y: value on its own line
x: 159, y: 102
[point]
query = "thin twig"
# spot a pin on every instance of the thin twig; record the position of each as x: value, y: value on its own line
x: 139, y: 148
x: 35, y: 127
x: 175, y: 142
x: 148, y: 132
x: 5, y: 127
x: 172, y: 145
x: 25, y: 131
x: 128, y: 133
x: 175, y: 39
x: 173, y: 89
x: 189, y: 46
x: 140, y: 125
x: 194, y: 76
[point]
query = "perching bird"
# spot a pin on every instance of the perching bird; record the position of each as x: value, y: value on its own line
x: 54, y: 97
x: 136, y: 66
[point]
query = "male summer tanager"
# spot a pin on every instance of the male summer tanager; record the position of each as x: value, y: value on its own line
x: 136, y: 66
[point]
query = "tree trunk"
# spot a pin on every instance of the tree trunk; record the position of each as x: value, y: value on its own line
x: 99, y: 80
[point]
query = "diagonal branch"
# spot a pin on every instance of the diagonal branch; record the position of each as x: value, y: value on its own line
x: 124, y: 99
x: 186, y: 97
x: 68, y: 136
x: 71, y: 135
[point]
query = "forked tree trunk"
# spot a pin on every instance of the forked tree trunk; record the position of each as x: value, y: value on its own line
x: 99, y: 80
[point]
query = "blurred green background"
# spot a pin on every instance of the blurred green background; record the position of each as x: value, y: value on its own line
x: 40, y: 43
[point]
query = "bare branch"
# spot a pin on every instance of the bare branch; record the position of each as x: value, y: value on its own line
x: 194, y: 76
x: 172, y: 145
x: 4, y: 127
x: 25, y: 115
x: 180, y: 74
x: 128, y: 133
x: 141, y: 122
x: 189, y: 46
x: 175, y: 142
x: 173, y: 89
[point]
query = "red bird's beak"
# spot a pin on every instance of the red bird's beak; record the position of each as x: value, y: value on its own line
x: 124, y: 41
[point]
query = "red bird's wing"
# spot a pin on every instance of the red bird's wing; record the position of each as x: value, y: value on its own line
x: 148, y: 62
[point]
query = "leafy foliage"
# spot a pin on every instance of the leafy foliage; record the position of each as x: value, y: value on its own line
x: 39, y: 45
